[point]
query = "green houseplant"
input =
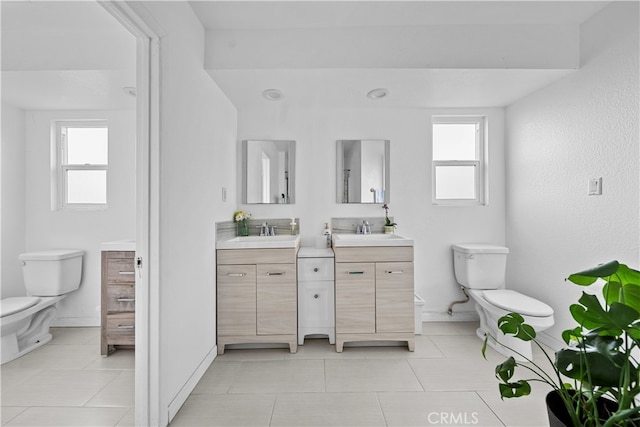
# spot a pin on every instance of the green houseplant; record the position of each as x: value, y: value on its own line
x: 596, y: 376
x: 389, y: 225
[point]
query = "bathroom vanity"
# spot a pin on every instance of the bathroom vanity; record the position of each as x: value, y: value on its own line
x: 256, y: 291
x: 374, y: 289
x: 118, y: 296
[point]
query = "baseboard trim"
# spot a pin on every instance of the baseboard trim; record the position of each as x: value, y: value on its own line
x: 191, y: 383
x: 462, y: 316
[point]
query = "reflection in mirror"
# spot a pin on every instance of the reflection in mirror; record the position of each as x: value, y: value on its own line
x: 363, y: 171
x: 268, y: 170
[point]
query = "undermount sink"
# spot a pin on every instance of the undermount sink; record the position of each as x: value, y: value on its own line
x: 258, y: 242
x: 371, y: 240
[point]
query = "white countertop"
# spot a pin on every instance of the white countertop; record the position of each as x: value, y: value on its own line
x: 119, y: 245
x: 260, y: 242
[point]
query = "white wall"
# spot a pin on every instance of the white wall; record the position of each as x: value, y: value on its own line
x: 12, y: 222
x: 81, y: 229
x: 584, y: 126
x: 197, y: 159
x: 433, y: 228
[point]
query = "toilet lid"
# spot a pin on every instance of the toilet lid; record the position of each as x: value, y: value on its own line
x: 13, y: 305
x: 516, y: 302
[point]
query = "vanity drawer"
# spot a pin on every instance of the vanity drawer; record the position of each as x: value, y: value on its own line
x: 315, y: 269
x: 121, y: 298
x: 121, y: 328
x: 119, y: 267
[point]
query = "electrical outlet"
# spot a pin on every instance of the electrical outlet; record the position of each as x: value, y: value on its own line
x: 595, y: 186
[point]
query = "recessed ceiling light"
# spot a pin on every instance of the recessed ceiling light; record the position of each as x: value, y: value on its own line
x: 129, y: 90
x: 273, y: 94
x: 378, y: 93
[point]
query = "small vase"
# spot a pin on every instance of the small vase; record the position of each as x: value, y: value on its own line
x: 243, y: 228
x: 388, y: 229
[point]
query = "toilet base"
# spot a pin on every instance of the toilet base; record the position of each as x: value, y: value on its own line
x: 25, y: 331
x: 507, y: 345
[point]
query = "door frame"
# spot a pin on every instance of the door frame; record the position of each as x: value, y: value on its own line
x: 139, y: 22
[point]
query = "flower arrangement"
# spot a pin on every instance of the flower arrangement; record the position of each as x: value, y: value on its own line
x: 387, y: 221
x: 242, y: 218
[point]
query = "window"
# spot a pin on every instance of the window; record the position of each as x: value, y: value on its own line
x: 458, y: 160
x: 82, y: 153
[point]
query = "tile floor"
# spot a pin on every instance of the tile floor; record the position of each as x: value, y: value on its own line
x: 67, y: 383
x: 445, y: 382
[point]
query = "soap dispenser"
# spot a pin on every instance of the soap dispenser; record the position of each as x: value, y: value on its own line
x: 327, y: 234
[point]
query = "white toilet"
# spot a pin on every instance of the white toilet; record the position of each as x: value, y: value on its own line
x: 48, y: 277
x: 481, y: 269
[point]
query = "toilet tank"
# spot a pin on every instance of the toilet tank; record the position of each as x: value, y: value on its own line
x: 479, y: 266
x: 53, y: 272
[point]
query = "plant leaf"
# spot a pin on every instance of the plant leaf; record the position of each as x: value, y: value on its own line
x: 517, y: 389
x: 628, y: 294
x: 588, y: 277
x: 506, y: 369
x: 591, y: 367
x: 513, y: 324
x: 628, y: 276
x: 572, y: 335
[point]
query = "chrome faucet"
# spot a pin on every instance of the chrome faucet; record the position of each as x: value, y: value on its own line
x: 264, y: 229
x: 366, y: 228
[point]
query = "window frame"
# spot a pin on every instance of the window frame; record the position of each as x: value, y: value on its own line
x: 479, y: 164
x: 62, y: 167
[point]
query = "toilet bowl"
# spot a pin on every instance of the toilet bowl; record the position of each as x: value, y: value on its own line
x: 24, y: 321
x: 480, y: 269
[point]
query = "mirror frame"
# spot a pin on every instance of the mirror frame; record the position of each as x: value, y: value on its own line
x: 290, y: 175
x: 340, y: 170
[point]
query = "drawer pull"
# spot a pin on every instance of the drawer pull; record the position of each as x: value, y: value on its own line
x: 125, y: 326
x: 126, y: 272
x: 355, y: 272
x: 394, y: 272
x: 126, y: 299
x: 316, y: 269
x: 316, y: 296
x: 236, y: 274
x: 275, y: 273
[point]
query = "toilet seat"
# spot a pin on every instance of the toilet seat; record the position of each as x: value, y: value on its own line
x: 9, y: 306
x: 514, y: 301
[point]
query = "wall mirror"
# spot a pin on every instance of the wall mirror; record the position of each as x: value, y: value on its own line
x: 268, y: 170
x: 363, y: 171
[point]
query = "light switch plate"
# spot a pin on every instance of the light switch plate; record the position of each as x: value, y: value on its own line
x: 224, y: 194
x: 595, y: 186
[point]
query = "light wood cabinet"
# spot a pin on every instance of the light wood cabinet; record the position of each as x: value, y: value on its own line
x: 374, y: 295
x: 118, y: 300
x: 257, y: 297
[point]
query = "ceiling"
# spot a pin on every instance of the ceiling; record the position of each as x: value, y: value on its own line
x: 332, y: 53
x: 59, y: 55
x: 74, y: 55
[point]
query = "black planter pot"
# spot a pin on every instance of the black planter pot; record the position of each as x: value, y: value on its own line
x: 559, y: 417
